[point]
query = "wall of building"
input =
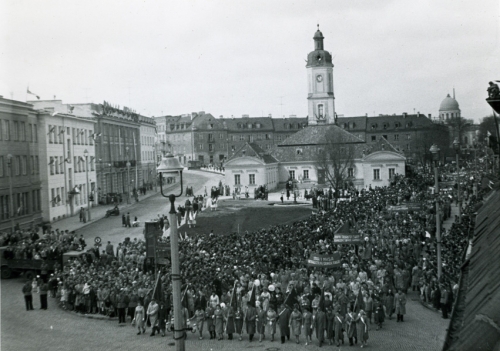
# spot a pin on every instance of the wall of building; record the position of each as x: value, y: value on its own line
x: 248, y: 171
x: 19, y: 137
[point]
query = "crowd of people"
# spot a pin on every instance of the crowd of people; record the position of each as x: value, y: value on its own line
x: 223, y: 274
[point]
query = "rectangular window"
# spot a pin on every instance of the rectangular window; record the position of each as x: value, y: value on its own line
x: 15, y: 131
x: 53, y: 197
x: 49, y: 132
x: 376, y: 174
x: 32, y: 165
x: 408, y: 136
x: 396, y: 137
x: 251, y: 179
x: 237, y: 179
x: 210, y: 137
x: 1, y: 129
x: 24, y: 162
x: 384, y: 136
x: 210, y: 147
x: 51, y: 163
x: 374, y: 138
x: 306, y: 174
x: 392, y: 173
x: 35, y: 133
x: 350, y: 172
x: 17, y: 165
x: 292, y: 174
x: 1, y: 166
x: 242, y: 137
x: 221, y: 136
x: 23, y: 131
x: 61, y: 164
x: 30, y: 132
x: 7, y: 130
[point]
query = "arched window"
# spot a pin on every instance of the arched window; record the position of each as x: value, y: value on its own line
x: 320, y: 111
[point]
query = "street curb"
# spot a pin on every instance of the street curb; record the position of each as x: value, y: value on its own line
x: 89, y: 316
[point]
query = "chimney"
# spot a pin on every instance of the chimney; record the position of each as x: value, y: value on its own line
x: 366, y: 114
x: 418, y: 114
x: 405, y: 114
x: 245, y: 116
x: 270, y: 115
x: 430, y: 116
x: 201, y: 113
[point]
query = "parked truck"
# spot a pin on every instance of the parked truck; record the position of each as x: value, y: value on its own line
x: 30, y: 267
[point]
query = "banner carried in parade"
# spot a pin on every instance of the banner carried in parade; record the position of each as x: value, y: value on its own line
x: 406, y: 206
x: 344, y: 235
x: 326, y: 261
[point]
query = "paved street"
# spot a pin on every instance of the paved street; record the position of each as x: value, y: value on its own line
x: 56, y: 329
x: 111, y: 228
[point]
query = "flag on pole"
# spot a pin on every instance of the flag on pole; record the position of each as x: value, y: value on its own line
x: 291, y: 299
x: 427, y: 234
x: 29, y: 92
x: 234, y: 299
x: 252, y: 297
x: 184, y: 300
x: 321, y: 303
x: 157, y: 291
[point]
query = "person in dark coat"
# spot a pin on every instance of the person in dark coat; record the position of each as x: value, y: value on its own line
x: 319, y: 325
x: 162, y: 319
x: 28, y: 298
x: 379, y: 315
x: 339, y: 329
x: 283, y: 322
x: 250, y: 317
x: 330, y: 321
x: 128, y: 220
x: 124, y: 220
x: 44, y: 289
x: 351, y: 326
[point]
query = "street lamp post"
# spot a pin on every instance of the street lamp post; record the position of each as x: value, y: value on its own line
x: 171, y: 166
x: 456, y: 145
x: 435, y: 154
x: 11, y: 204
x: 86, y: 153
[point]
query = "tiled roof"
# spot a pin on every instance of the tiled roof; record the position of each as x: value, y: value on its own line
x: 475, y: 323
x: 282, y: 124
x: 253, y: 150
x: 317, y: 135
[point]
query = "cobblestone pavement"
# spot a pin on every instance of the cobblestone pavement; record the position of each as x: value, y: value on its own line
x: 55, y: 329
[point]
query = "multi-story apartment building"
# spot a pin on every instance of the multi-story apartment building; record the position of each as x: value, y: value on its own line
x: 147, y: 146
x: 202, y: 137
x: 67, y: 157
x: 20, y: 183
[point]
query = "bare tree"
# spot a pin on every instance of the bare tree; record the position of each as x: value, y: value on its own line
x: 335, y: 157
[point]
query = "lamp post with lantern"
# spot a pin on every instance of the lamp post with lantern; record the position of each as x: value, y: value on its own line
x: 86, y: 153
x: 456, y: 146
x: 435, y: 155
x: 171, y: 167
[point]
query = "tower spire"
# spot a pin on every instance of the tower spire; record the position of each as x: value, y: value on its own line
x: 454, y: 92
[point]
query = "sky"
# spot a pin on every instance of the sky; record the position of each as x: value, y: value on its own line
x: 248, y: 57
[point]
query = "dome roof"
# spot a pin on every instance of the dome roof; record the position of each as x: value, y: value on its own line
x: 449, y: 104
x: 318, y: 35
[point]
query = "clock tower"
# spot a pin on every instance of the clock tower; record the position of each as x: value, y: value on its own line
x: 320, y: 96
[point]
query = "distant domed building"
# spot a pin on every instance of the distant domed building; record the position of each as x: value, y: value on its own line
x: 449, y: 108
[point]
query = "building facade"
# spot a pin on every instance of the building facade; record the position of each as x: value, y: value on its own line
x: 147, y: 151
x: 251, y: 167
x: 20, y: 182
x: 67, y: 164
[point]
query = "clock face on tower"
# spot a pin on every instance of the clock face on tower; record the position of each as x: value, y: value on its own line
x: 319, y: 78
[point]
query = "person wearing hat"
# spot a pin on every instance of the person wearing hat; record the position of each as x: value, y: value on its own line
x: 295, y: 322
x: 362, y: 327
x: 338, y: 328
x: 400, y: 304
x: 28, y: 298
x: 379, y: 314
x: 210, y: 319
x: 238, y: 321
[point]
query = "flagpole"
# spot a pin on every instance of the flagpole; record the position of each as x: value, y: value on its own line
x: 230, y: 304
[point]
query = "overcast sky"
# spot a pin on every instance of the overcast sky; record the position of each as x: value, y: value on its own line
x: 248, y: 57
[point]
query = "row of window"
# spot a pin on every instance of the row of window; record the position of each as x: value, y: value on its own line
x: 376, y: 173
x: 18, y: 131
x: 148, y: 156
x: 146, y: 140
x: 80, y: 136
x: 387, y: 125
x: 395, y: 137
x: 19, y: 164
x: 24, y: 203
